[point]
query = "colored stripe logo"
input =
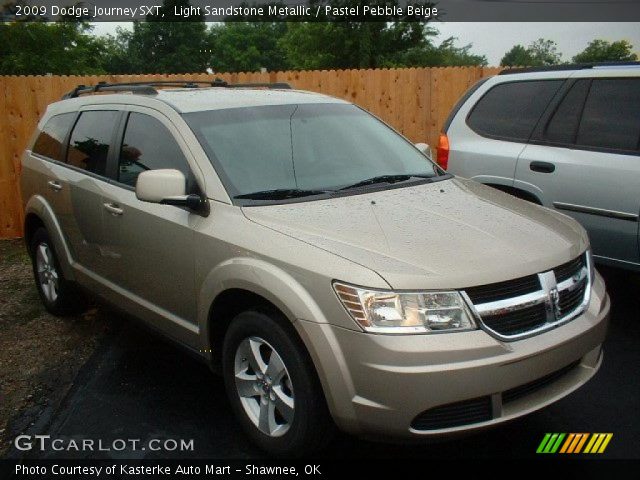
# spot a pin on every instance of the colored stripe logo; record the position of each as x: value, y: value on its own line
x: 574, y: 442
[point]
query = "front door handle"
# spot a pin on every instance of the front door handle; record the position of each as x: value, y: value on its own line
x: 55, y: 186
x: 113, y: 209
x: 542, y: 167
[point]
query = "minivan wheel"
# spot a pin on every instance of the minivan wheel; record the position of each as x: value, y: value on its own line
x: 264, y: 387
x: 59, y: 296
x: 272, y: 386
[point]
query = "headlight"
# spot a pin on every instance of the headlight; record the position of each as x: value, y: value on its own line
x: 380, y: 311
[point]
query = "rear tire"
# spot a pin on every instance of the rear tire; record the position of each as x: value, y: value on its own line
x: 273, y: 387
x: 59, y: 296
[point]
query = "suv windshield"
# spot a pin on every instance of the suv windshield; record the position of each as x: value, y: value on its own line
x: 292, y: 151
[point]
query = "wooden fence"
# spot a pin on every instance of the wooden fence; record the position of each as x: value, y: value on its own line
x: 416, y: 101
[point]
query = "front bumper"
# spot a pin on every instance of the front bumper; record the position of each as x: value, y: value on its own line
x: 386, y: 386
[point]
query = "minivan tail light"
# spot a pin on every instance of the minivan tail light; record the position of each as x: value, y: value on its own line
x: 443, y: 151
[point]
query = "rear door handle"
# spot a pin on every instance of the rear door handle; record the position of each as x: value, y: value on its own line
x: 113, y: 209
x: 542, y: 167
x: 54, y: 185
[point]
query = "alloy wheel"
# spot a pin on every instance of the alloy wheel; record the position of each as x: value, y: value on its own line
x: 47, y: 273
x: 264, y: 386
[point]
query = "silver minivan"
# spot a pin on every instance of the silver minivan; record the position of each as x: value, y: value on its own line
x: 321, y: 262
x: 567, y: 138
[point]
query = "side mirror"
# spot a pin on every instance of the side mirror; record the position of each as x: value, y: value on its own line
x: 167, y: 186
x: 425, y: 149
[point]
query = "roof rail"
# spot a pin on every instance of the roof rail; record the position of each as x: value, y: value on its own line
x: 218, y: 82
x: 148, y: 88
x: 560, y: 68
x: 143, y: 88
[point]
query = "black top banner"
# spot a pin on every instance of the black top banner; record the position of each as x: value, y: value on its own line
x: 323, y: 10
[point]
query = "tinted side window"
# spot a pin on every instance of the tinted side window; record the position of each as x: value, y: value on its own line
x: 49, y: 142
x: 511, y: 110
x: 611, y: 116
x: 463, y: 99
x: 90, y: 141
x: 148, y: 145
x: 563, y: 126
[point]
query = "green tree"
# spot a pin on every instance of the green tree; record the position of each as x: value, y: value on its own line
x: 604, y: 51
x: 544, y: 52
x: 162, y: 44
x: 118, y: 56
x: 165, y: 43
x: 539, y: 53
x: 332, y: 44
x: 447, y: 54
x: 322, y: 45
x: 371, y: 45
x: 518, y: 56
x: 247, y: 46
x: 38, y: 48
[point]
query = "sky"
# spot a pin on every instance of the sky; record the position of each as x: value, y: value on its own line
x: 494, y: 39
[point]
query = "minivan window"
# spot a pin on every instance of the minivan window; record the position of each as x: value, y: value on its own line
x: 148, y: 145
x: 90, y: 140
x: 315, y: 147
x: 49, y: 142
x: 563, y: 126
x: 611, y: 115
x: 512, y: 110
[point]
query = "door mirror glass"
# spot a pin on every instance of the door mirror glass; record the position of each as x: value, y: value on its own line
x: 158, y: 186
x: 425, y: 149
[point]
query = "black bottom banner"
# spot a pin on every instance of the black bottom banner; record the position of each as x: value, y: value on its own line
x: 311, y: 469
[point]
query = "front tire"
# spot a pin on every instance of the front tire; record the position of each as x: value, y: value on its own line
x: 59, y: 296
x: 273, y: 387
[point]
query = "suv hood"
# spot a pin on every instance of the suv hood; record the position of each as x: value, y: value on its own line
x: 449, y: 234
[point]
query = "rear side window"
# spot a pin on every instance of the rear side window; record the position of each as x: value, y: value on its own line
x: 149, y: 145
x: 456, y: 108
x: 563, y: 126
x: 49, y: 142
x: 611, y: 115
x: 91, y: 139
x: 512, y: 110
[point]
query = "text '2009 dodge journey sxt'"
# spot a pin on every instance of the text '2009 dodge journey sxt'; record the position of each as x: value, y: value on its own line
x: 320, y: 261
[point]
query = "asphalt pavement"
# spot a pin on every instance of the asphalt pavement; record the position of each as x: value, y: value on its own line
x: 139, y: 386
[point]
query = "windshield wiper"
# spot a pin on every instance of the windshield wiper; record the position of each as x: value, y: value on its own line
x: 386, y: 179
x: 280, y: 194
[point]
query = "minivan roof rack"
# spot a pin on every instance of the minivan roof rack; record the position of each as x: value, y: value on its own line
x: 560, y: 68
x: 148, y: 88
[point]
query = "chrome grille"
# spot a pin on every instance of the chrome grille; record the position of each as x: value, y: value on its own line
x: 502, y: 290
x: 519, y: 321
x: 568, y: 269
x: 571, y: 299
x: 530, y: 305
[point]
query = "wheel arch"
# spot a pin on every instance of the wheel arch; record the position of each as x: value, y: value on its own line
x: 38, y: 213
x: 31, y: 223
x: 517, y: 192
x: 242, y: 283
x: 224, y: 308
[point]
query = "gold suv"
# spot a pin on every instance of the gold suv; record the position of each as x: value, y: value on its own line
x: 321, y: 262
